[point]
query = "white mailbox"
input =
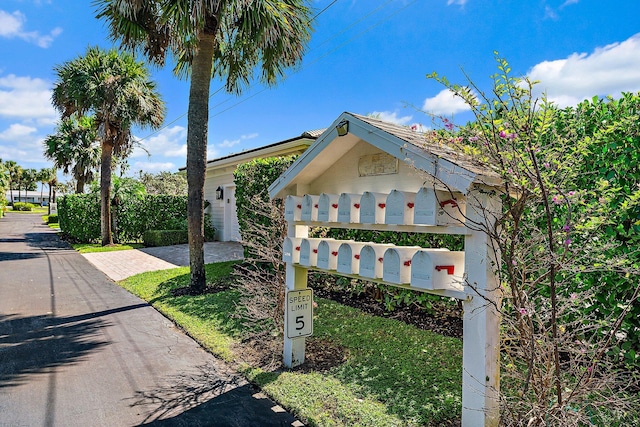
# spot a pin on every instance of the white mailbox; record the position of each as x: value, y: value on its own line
x: 291, y: 250
x: 309, y: 252
x: 292, y: 208
x: 372, y: 207
x: 451, y: 208
x: 396, y: 264
x: 437, y: 269
x: 349, y: 257
x: 371, y: 258
x: 309, y: 210
x: 328, y: 254
x: 426, y: 207
x: 399, y: 207
x: 328, y: 207
x: 349, y: 207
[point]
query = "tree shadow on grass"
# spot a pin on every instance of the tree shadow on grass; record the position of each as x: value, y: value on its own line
x: 218, y: 307
x: 209, y: 397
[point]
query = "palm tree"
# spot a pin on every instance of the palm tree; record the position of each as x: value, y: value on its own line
x: 4, y: 182
x: 14, y: 171
x: 29, y: 181
x: 75, y: 147
x: 43, y: 177
x: 209, y: 38
x: 53, y: 183
x: 116, y: 89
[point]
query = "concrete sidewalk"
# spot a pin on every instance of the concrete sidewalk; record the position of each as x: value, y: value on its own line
x: 119, y: 265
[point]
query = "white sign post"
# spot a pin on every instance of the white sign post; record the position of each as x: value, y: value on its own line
x: 299, y: 313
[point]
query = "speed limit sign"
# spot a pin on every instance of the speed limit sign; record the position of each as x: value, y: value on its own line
x: 299, y: 313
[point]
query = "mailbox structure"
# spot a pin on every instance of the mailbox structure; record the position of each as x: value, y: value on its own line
x: 381, y: 176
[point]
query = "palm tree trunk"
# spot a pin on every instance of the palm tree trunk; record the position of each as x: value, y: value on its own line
x: 197, y: 130
x: 80, y: 185
x: 41, y: 193
x: 105, y: 189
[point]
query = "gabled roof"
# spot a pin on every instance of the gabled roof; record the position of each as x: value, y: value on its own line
x: 453, y: 169
x: 302, y: 142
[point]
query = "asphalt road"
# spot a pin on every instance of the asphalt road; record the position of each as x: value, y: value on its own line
x: 78, y: 350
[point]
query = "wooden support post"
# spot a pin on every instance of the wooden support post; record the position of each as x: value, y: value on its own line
x: 296, y: 279
x: 481, y: 322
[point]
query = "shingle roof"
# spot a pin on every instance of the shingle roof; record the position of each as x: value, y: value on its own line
x: 313, y: 133
x: 420, y: 139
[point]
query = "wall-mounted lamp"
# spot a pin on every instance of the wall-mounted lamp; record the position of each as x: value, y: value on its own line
x: 343, y: 128
x: 219, y: 193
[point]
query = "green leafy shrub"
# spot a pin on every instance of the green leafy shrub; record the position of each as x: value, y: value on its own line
x: 164, y: 237
x: 79, y: 216
x: 252, y: 180
x: 52, y: 219
x: 22, y: 206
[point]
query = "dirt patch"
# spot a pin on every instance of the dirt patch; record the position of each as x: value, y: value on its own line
x: 265, y: 352
x: 211, y: 288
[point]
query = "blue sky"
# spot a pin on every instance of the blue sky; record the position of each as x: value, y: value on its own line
x: 364, y: 57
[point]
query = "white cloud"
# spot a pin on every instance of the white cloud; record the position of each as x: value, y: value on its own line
x: 391, y: 117
x: 445, y: 103
x: 230, y: 143
x: 549, y: 13
x: 11, y: 25
x: 569, y: 3
x: 16, y: 132
x: 26, y: 98
x: 169, y: 142
x: 153, y: 167
x: 22, y: 144
x: 609, y: 70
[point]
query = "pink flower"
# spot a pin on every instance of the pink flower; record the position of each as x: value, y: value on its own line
x: 566, y: 227
x: 513, y: 135
x: 503, y: 134
x: 547, y: 165
x: 449, y: 126
x: 571, y: 193
x: 573, y: 296
x: 414, y: 127
x: 522, y: 311
x: 567, y: 242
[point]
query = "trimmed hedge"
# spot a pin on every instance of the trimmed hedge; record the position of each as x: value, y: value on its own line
x: 254, y: 178
x: 165, y: 237
x: 79, y: 217
x: 52, y: 219
x: 22, y: 206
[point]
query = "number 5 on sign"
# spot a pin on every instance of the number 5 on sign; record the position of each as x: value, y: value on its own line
x: 299, y: 313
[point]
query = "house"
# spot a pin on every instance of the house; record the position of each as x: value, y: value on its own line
x: 219, y: 188
x: 34, y: 197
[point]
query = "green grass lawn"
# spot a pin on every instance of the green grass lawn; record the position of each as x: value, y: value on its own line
x: 37, y: 210
x: 85, y: 248
x: 394, y: 374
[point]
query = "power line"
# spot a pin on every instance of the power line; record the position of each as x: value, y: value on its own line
x: 306, y: 65
x: 328, y: 53
x: 322, y: 11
